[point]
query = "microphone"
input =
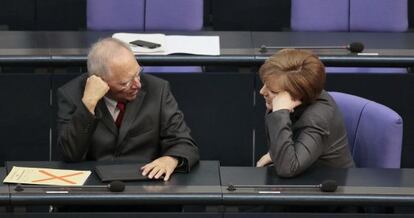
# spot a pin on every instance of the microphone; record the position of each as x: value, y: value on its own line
x: 354, y: 47
x: 325, y: 186
x: 114, y: 186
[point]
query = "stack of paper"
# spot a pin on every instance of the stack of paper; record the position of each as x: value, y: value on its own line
x: 170, y: 44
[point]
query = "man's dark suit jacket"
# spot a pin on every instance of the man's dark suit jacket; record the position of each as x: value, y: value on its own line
x: 153, y: 126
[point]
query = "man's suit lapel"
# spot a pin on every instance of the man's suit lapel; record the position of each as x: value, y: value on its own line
x: 107, y: 117
x: 131, y: 111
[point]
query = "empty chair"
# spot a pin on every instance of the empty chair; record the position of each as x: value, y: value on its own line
x: 174, y: 15
x: 119, y: 15
x: 351, y: 15
x: 374, y: 131
x: 319, y: 15
x: 378, y: 15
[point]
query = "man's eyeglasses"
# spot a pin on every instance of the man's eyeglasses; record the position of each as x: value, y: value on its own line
x: 137, y: 75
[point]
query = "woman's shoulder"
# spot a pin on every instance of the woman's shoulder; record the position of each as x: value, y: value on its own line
x: 324, y: 105
x: 320, y: 112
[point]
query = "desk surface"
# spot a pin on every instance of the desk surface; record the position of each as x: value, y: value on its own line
x: 71, y: 48
x: 237, y: 48
x: 200, y: 186
x: 355, y: 186
x: 207, y: 185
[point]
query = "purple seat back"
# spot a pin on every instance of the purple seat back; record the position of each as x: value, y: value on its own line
x: 349, y: 15
x: 145, y: 15
x: 173, y: 69
x: 374, y: 131
x: 176, y: 15
x: 118, y: 15
x: 319, y: 15
x: 366, y: 70
x: 378, y: 15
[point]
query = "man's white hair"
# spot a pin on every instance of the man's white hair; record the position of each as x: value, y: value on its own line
x: 101, y: 54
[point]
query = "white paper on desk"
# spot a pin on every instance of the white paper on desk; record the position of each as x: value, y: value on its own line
x: 46, y: 176
x: 198, y: 45
x: 171, y: 44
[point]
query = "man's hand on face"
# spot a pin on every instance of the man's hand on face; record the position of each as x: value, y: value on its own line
x: 162, y: 166
x: 95, y: 89
x: 283, y: 100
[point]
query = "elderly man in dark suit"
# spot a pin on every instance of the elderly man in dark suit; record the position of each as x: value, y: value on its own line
x: 117, y: 113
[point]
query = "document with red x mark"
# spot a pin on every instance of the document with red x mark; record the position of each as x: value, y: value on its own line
x: 46, y: 176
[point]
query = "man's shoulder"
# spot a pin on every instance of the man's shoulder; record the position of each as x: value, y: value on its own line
x: 151, y: 81
x: 75, y: 83
x: 75, y: 86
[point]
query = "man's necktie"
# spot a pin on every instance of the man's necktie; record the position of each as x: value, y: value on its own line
x: 121, y: 106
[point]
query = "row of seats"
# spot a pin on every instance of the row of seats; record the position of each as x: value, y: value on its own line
x: 145, y: 15
x: 306, y: 15
x: 351, y: 16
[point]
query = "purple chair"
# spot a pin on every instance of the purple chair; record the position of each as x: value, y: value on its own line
x: 115, y: 15
x: 378, y: 15
x: 366, y: 70
x: 374, y: 131
x: 351, y: 15
x: 174, y: 15
x: 147, y: 15
x: 319, y: 15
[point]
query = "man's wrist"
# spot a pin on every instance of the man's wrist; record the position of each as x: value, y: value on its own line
x: 180, y: 161
x: 89, y: 104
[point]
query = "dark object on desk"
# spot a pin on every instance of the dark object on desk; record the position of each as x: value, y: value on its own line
x: 146, y: 44
x: 121, y: 172
x: 115, y: 186
x: 325, y: 186
x: 354, y: 47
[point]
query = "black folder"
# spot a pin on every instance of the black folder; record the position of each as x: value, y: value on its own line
x: 121, y: 172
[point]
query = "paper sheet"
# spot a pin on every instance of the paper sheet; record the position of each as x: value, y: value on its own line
x: 46, y: 176
x: 171, y: 44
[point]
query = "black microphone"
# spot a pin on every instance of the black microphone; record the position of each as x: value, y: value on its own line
x: 114, y: 186
x: 325, y: 186
x: 354, y: 47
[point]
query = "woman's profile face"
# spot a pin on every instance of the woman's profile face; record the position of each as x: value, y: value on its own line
x: 269, y: 92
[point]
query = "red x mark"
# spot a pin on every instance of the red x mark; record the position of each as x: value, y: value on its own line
x: 52, y: 176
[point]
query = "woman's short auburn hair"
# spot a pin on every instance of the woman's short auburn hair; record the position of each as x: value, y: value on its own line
x: 298, y: 72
